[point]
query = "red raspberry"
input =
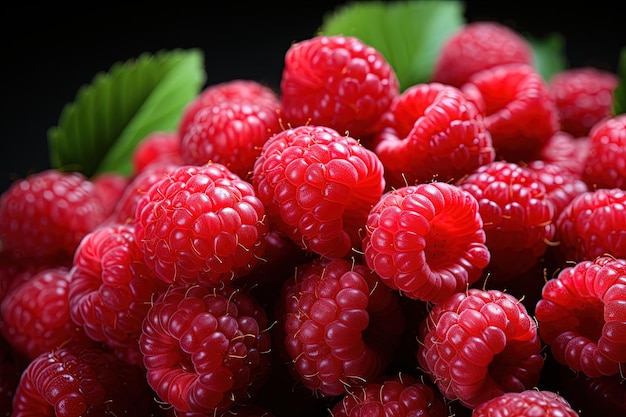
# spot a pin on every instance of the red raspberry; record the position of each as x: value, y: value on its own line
x: 111, y: 289
x: 69, y: 382
x: 528, y: 403
x: 519, y: 112
x: 35, y: 315
x: 401, y: 395
x: 231, y: 133
x: 201, y: 224
x: 479, y: 344
x: 45, y: 215
x: 426, y: 240
x: 109, y: 188
x: 478, y: 46
x: 517, y: 216
x: 157, y: 147
x: 581, y: 316
x: 605, y: 165
x: 583, y: 97
x: 431, y: 131
x: 205, y: 349
x: 339, y: 326
x: 336, y: 81
x: 318, y: 187
x: 567, y: 151
x: 593, y: 224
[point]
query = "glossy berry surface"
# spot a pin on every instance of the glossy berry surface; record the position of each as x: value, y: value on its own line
x: 605, y: 164
x: 528, y: 403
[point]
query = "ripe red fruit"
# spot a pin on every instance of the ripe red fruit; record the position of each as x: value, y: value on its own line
x: 317, y: 187
x: 591, y: 225
x: 69, y: 382
x: 480, y: 344
x: 336, y: 81
x: 566, y: 151
x: 528, y: 403
x: 35, y: 316
x: 45, y: 215
x: 519, y: 112
x: 339, y: 326
x: 201, y: 224
x: 517, y: 216
x: 605, y: 165
x: 401, y: 395
x: 160, y: 147
x: 111, y: 288
x: 583, y: 97
x: 478, y: 46
x: 205, y: 349
x: 426, y: 240
x: 581, y: 316
x: 431, y: 131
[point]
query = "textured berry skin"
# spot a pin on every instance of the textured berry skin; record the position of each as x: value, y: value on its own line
x: 339, y: 326
x: 35, y: 315
x: 517, y: 216
x: 479, y: 344
x: 431, y: 131
x: 519, y: 112
x: 567, y: 151
x: 111, y: 288
x: 109, y: 187
x: 528, y: 403
x: 583, y: 97
x: 593, y: 224
x: 478, y: 46
x: 605, y: 165
x: 201, y: 224
x: 158, y: 147
x: 581, y: 316
x: 68, y: 382
x: 318, y: 187
x: 426, y: 240
x: 45, y: 215
x: 400, y: 395
x: 205, y: 349
x: 338, y: 82
x: 231, y: 133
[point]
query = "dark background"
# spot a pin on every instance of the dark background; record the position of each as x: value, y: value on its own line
x: 51, y: 51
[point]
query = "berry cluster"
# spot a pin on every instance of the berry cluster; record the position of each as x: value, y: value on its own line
x: 335, y: 246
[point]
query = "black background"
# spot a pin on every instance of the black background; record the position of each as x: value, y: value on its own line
x: 50, y: 51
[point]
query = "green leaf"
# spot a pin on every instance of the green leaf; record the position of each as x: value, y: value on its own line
x: 549, y: 54
x: 619, y: 95
x: 98, y: 131
x: 409, y: 34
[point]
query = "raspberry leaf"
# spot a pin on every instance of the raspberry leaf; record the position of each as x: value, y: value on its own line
x: 549, y: 53
x: 99, y: 130
x: 619, y: 101
x: 408, y: 34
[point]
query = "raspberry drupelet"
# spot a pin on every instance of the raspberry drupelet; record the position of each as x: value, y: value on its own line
x: 528, y: 403
x: 605, y: 164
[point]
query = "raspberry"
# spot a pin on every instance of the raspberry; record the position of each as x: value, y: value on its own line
x: 35, y: 315
x: 45, y: 215
x: 205, y: 349
x: 528, y: 403
x: 339, y: 327
x: 605, y: 165
x: 401, y: 395
x: 583, y: 97
x: 336, y: 81
x: 70, y: 382
x: 480, y: 344
x: 567, y: 151
x: 591, y: 225
x: 318, y: 187
x: 519, y: 112
x: 517, y: 216
x: 478, y: 46
x: 109, y: 188
x: 157, y: 147
x: 426, y: 240
x: 432, y: 131
x: 231, y: 133
x: 201, y: 224
x: 581, y: 316
x: 111, y: 288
